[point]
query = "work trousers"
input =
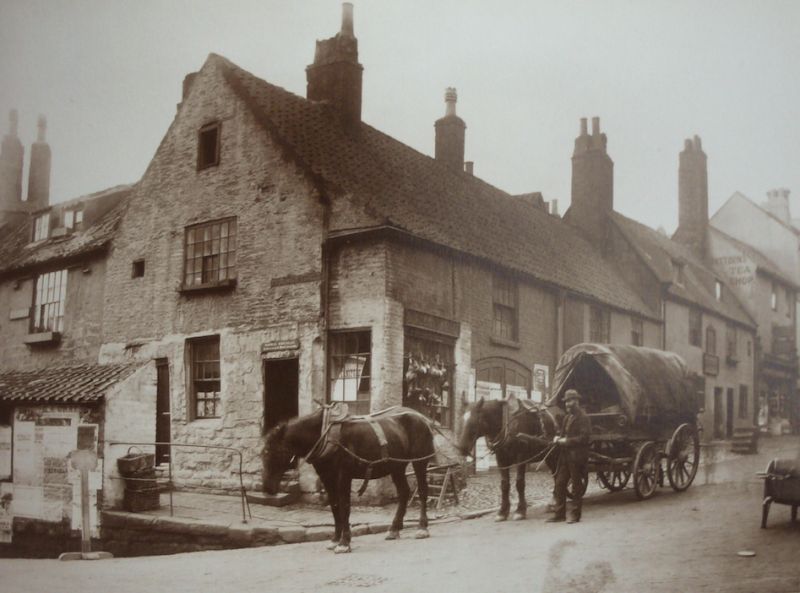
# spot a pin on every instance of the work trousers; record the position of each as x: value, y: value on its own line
x: 568, y: 470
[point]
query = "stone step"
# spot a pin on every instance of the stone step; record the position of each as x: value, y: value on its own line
x: 274, y: 500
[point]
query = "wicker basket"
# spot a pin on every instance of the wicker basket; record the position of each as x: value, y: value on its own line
x: 141, y: 500
x: 134, y: 463
x: 143, y: 480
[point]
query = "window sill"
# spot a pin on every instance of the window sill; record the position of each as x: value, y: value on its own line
x: 43, y: 339
x: 505, y: 342
x: 224, y: 285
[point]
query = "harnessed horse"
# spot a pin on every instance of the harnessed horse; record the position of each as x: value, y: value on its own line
x: 517, y: 434
x: 342, y: 448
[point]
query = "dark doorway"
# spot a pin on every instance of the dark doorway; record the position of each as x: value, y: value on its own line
x: 163, y: 415
x: 729, y: 414
x: 719, y: 414
x: 280, y: 391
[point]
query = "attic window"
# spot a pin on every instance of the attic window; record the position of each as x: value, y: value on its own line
x: 41, y: 227
x: 773, y: 299
x: 73, y: 218
x: 718, y: 289
x: 677, y: 271
x: 208, y: 141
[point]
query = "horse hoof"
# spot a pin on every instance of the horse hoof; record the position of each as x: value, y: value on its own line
x: 393, y: 534
x: 500, y: 518
x: 518, y: 516
x: 340, y: 549
x: 331, y: 545
x: 422, y: 534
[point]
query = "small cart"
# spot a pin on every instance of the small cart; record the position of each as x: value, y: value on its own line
x: 643, y: 406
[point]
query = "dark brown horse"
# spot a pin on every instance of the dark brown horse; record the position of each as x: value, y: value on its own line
x: 355, y: 448
x: 516, y: 434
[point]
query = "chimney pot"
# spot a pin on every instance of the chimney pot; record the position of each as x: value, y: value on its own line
x: 595, y: 126
x: 347, y: 19
x: 554, y: 206
x: 584, y: 129
x: 13, y: 122
x: 698, y: 144
x: 687, y: 144
x: 469, y: 167
x: 41, y: 124
x: 450, y: 99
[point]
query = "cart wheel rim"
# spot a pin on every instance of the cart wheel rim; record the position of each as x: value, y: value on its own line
x: 645, y: 470
x: 684, y: 457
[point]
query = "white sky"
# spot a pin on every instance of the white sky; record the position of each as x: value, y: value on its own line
x: 107, y: 74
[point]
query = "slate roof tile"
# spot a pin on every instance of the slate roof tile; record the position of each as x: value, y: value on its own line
x: 394, y: 184
x: 68, y: 384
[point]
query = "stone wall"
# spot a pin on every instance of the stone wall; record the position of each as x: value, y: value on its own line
x: 83, y: 319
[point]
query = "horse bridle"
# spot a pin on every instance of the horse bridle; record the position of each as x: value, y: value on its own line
x: 502, y: 437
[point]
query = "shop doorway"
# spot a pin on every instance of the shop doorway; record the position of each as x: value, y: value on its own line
x: 719, y: 414
x: 729, y: 414
x: 280, y: 391
x: 163, y: 414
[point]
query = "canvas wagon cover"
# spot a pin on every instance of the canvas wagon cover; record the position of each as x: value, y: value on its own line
x: 644, y: 382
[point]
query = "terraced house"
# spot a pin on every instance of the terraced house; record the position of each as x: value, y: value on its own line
x: 279, y: 250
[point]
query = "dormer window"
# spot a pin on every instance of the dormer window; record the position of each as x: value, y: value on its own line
x: 41, y: 227
x: 677, y: 272
x: 73, y: 218
x: 718, y: 289
x: 773, y: 298
x: 208, y: 141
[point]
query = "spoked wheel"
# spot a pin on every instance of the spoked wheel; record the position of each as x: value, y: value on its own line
x: 684, y: 457
x: 614, y: 480
x: 581, y: 487
x: 645, y: 470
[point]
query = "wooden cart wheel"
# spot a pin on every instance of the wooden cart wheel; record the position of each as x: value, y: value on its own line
x: 582, y: 486
x: 645, y: 470
x: 683, y: 457
x: 614, y: 480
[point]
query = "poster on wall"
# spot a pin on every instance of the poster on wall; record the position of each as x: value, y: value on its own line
x: 42, y: 441
x: 541, y: 382
x: 5, y: 452
x: 6, y: 516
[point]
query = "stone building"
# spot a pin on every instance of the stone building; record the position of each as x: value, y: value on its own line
x: 290, y: 252
x: 703, y: 320
x: 757, y: 246
x: 54, y: 396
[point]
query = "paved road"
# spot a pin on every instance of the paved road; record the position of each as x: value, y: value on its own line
x: 674, y: 542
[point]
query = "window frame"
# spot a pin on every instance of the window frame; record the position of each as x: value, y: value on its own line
x: 202, y: 164
x: 505, y: 308
x: 731, y: 341
x: 190, y: 255
x: 49, y: 302
x: 637, y: 331
x: 340, y: 353
x: 695, y: 327
x: 598, y: 312
x: 194, y: 346
x: 41, y: 227
x: 773, y: 299
x: 711, y: 340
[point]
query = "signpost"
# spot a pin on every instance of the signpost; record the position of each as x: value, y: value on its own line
x: 84, y: 461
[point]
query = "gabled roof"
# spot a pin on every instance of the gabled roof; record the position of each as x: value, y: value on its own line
x: 760, y: 208
x: 393, y: 185
x: 762, y: 262
x: 659, y: 252
x: 64, y: 385
x: 18, y: 253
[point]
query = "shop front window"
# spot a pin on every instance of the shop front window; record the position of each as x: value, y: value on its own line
x: 428, y: 365
x: 350, y: 369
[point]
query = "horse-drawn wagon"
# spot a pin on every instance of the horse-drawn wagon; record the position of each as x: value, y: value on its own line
x: 643, y: 406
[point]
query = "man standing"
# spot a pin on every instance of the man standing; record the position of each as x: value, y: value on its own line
x: 573, y: 455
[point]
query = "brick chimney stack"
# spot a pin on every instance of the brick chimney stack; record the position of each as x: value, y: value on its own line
x: 450, y: 132
x: 335, y: 76
x: 592, y: 184
x: 693, y: 198
x: 39, y: 174
x: 11, y: 161
x: 777, y: 204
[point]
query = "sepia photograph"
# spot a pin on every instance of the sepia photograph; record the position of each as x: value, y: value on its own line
x: 312, y: 296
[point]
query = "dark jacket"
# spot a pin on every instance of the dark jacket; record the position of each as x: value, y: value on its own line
x: 577, y: 429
